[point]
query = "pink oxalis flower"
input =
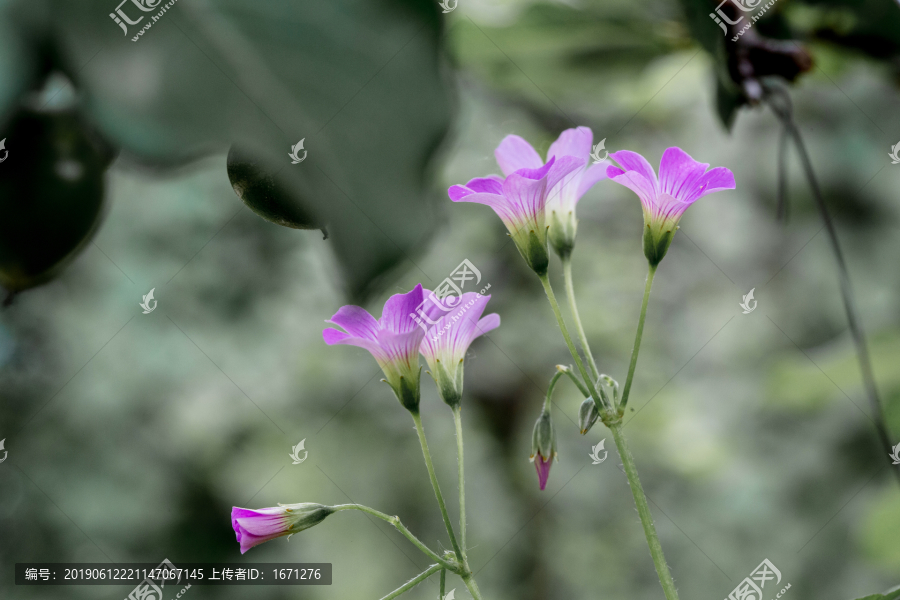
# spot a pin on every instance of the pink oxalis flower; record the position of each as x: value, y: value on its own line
x: 682, y: 181
x: 253, y: 527
x: 515, y: 153
x: 393, y: 340
x: 520, y: 200
x: 446, y: 343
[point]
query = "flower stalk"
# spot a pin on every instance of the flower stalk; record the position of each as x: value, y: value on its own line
x: 437, y: 487
x: 640, y: 500
x: 637, y: 338
x: 573, y: 307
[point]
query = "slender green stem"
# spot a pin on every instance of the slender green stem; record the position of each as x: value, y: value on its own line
x: 414, y: 582
x: 567, y: 371
x: 395, y: 521
x: 441, y: 591
x: 437, y: 488
x: 637, y: 338
x: 570, y: 293
x: 640, y: 500
x: 469, y: 580
x: 565, y: 331
x: 457, y: 418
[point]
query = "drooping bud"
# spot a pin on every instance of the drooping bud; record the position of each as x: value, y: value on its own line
x: 587, y: 415
x: 253, y: 527
x: 543, y: 447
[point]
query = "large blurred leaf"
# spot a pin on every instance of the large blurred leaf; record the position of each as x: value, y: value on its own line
x: 51, y: 194
x: 358, y: 79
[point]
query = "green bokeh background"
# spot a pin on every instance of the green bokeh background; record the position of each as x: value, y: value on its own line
x: 135, y: 434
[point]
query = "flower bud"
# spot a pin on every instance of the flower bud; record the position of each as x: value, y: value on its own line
x: 587, y: 415
x: 543, y: 446
x: 253, y: 527
x: 563, y: 226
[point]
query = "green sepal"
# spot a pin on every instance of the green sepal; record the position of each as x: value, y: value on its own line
x: 656, y: 243
x: 562, y: 233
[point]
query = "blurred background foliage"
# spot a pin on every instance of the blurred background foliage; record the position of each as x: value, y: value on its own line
x: 130, y: 436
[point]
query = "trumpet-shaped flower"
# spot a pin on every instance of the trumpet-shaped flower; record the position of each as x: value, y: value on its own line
x: 393, y: 340
x: 515, y: 153
x: 520, y: 200
x: 446, y: 343
x: 682, y: 181
x: 253, y: 527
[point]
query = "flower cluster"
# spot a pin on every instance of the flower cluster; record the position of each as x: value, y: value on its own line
x: 408, y: 328
x: 536, y: 201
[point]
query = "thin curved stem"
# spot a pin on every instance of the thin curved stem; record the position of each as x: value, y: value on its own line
x: 457, y: 418
x: 640, y: 500
x: 414, y: 582
x: 395, y: 521
x: 637, y: 337
x: 579, y: 329
x: 567, y: 371
x: 437, y: 488
x: 443, y: 586
x: 565, y: 331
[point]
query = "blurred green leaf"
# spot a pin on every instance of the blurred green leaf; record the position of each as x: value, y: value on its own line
x: 360, y: 80
x: 51, y: 194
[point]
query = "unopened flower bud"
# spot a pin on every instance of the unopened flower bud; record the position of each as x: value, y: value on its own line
x: 561, y: 234
x: 587, y: 415
x: 543, y: 446
x: 253, y: 527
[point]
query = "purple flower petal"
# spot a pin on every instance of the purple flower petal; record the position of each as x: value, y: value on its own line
x: 575, y: 142
x: 543, y: 469
x: 401, y: 347
x: 514, y: 153
x: 636, y: 183
x: 397, y: 310
x: 538, y: 173
x: 634, y: 162
x: 714, y: 180
x: 526, y: 199
x: 253, y: 527
x: 593, y: 174
x: 563, y: 166
x: 458, y: 192
x: 488, y: 323
x: 492, y: 184
x: 504, y: 209
x: 333, y: 336
x: 356, y: 321
x: 678, y: 173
